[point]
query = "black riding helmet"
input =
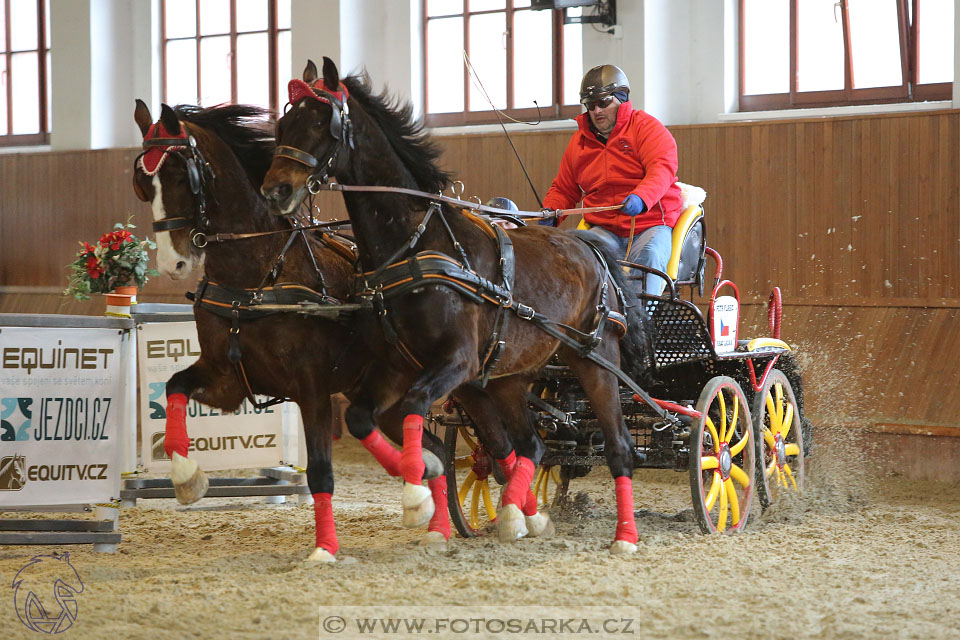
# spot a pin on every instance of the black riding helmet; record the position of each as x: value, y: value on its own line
x: 602, y: 81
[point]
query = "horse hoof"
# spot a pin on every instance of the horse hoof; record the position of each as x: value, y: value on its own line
x: 539, y: 525
x: 622, y: 547
x: 433, y: 468
x: 510, y: 523
x: 417, y: 504
x: 320, y: 556
x: 433, y: 542
x: 189, y: 482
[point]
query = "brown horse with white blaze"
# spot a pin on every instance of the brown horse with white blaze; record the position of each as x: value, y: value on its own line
x: 490, y: 287
x: 200, y: 172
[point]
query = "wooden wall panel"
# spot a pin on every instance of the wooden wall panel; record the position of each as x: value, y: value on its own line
x: 856, y: 219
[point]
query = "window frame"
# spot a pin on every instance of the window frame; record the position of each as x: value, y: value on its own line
x: 273, y: 39
x: 555, y: 111
x: 908, y: 91
x: 11, y: 139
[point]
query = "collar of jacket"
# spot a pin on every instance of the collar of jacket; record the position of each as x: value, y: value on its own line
x: 623, y: 115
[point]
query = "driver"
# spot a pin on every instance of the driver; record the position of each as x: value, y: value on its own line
x: 621, y: 155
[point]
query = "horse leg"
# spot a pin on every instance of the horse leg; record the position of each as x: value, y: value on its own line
x: 433, y: 384
x: 190, y: 483
x: 317, y: 431
x: 602, y: 389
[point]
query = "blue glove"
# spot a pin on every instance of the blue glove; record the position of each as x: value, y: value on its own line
x: 550, y: 220
x: 633, y: 205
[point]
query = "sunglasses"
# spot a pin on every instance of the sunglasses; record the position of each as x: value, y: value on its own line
x: 603, y: 103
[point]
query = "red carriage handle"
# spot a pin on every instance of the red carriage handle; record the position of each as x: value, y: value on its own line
x: 775, y: 312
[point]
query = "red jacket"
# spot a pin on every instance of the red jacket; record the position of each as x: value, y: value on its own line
x: 639, y: 157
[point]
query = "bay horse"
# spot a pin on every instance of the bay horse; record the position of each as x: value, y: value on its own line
x: 464, y: 301
x: 201, y: 171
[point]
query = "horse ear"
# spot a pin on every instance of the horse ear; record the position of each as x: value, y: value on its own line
x: 331, y: 77
x: 169, y: 120
x: 142, y: 117
x: 310, y: 72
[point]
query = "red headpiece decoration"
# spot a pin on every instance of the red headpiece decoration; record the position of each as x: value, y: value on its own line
x: 299, y: 89
x: 152, y: 159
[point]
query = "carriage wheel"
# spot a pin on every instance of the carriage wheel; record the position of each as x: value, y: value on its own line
x: 780, y: 439
x: 469, y: 476
x: 545, y: 485
x: 722, y: 457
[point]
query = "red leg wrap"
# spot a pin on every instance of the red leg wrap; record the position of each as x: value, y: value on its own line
x: 626, y: 525
x: 530, y: 504
x: 411, y: 460
x: 387, y: 456
x: 176, y: 437
x: 326, y: 531
x: 507, y: 464
x: 440, y: 520
x: 519, y: 484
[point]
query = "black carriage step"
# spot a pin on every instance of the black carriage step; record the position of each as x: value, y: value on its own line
x: 154, y: 483
x: 229, y: 491
x: 59, y: 537
x: 57, y: 525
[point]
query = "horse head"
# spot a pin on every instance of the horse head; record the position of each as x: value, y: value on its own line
x: 199, y: 169
x: 167, y: 176
x: 314, y: 131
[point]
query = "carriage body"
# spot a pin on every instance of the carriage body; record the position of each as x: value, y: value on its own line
x: 690, y: 378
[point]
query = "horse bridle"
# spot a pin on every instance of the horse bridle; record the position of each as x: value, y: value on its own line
x: 341, y: 129
x: 198, y: 171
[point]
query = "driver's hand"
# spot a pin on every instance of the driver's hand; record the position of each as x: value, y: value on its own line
x: 549, y: 218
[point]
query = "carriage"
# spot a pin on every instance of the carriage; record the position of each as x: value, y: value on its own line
x: 738, y: 405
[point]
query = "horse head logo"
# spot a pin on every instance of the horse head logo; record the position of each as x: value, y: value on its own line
x: 59, y: 584
x: 13, y: 474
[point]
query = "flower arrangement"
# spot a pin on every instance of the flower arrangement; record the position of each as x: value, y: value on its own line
x: 118, y: 259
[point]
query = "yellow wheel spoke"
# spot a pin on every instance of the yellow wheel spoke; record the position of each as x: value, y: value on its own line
x: 733, y: 421
x: 555, y: 474
x: 466, y: 438
x: 772, y: 414
x: 739, y: 475
x: 734, y: 501
x: 737, y: 448
x: 714, y: 491
x: 463, y: 462
x: 713, y: 433
x: 768, y: 438
x: 475, y: 504
x: 723, y: 415
x: 780, y: 481
x: 465, y: 487
x: 722, y: 518
x: 771, y: 466
x: 787, y: 421
x: 792, y: 449
x: 538, y: 480
x: 778, y: 388
x: 709, y: 462
x: 487, y: 501
x: 786, y: 469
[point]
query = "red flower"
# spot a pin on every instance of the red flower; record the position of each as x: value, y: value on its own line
x: 93, y: 267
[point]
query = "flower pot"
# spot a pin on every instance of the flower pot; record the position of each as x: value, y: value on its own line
x: 130, y: 290
x: 118, y: 305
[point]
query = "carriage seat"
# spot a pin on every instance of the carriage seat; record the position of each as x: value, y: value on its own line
x: 686, y: 262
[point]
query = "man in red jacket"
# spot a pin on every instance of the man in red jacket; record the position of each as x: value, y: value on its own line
x: 626, y: 159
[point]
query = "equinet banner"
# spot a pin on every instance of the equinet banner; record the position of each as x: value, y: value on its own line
x: 62, y: 408
x: 245, y: 438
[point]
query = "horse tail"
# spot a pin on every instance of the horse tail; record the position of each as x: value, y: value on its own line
x: 636, y: 346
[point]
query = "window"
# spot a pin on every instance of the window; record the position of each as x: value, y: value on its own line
x: 815, y: 53
x: 520, y: 56
x: 24, y: 81
x: 218, y: 51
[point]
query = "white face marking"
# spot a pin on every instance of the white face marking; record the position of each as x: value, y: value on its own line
x: 169, y: 261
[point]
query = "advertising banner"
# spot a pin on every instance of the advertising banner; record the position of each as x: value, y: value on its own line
x: 242, y: 439
x: 63, y: 405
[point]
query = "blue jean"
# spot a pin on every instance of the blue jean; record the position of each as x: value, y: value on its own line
x: 651, y: 248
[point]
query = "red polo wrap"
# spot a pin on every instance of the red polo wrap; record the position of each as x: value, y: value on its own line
x: 323, y: 516
x: 298, y: 89
x: 626, y: 524
x: 176, y: 438
x: 440, y: 520
x: 152, y: 159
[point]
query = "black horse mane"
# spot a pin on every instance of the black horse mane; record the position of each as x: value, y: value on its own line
x: 246, y: 129
x: 417, y: 151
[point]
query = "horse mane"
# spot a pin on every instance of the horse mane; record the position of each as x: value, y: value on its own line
x: 246, y: 129
x: 417, y: 152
